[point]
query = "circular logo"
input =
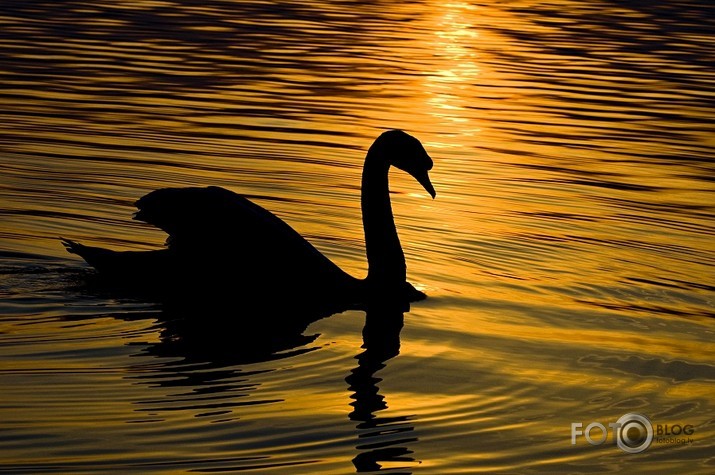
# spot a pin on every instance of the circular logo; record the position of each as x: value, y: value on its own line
x: 634, y: 433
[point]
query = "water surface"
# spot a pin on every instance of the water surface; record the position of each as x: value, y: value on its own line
x: 569, y: 256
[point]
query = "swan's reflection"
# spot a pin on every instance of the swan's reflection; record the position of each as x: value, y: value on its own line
x: 381, y: 439
x: 207, y: 357
x: 207, y: 351
x: 218, y: 337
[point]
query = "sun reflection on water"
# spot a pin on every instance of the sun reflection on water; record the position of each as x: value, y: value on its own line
x: 455, y: 49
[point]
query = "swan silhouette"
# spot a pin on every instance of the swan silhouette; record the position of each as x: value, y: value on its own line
x: 220, y: 243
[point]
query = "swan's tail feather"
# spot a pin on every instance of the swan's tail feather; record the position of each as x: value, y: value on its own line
x: 73, y: 247
x: 92, y: 255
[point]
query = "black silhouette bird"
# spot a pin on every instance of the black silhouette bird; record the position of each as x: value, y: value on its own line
x: 222, y: 244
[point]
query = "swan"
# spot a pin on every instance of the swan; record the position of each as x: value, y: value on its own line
x: 221, y: 243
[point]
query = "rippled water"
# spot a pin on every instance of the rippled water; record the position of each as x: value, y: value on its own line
x: 569, y: 256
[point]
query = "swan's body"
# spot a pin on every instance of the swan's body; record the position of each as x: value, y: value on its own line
x: 222, y: 243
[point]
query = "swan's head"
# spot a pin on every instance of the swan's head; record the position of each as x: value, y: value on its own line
x: 405, y: 152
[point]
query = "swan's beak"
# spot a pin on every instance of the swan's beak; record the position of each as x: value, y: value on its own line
x: 423, y: 178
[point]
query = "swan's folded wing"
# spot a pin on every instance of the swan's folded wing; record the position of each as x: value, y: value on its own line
x: 205, y: 215
x: 219, y: 222
x: 198, y: 214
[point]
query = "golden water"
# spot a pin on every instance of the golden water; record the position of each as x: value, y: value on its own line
x: 569, y: 256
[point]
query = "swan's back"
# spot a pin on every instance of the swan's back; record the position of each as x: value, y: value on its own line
x: 216, y: 230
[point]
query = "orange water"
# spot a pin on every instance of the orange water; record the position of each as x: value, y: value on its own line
x: 569, y: 256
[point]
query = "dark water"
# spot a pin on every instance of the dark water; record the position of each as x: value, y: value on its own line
x: 569, y: 255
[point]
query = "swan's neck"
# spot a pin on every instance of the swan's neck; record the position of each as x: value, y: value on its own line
x: 386, y: 261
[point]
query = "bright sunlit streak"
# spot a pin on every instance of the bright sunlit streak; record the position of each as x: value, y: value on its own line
x: 455, y: 44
